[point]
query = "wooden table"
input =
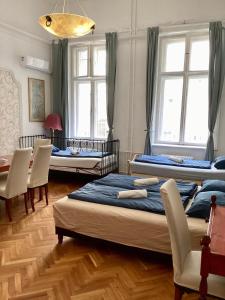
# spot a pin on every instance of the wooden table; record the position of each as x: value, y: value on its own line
x: 213, y: 247
x: 5, y: 166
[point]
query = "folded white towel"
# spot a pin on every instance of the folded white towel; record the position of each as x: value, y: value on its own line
x: 74, y: 151
x: 177, y: 159
x: 132, y: 194
x: 146, y: 181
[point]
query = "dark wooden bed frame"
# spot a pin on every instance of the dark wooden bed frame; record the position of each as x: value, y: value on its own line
x: 61, y: 232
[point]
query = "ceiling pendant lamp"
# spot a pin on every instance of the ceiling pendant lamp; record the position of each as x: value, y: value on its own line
x: 67, y: 25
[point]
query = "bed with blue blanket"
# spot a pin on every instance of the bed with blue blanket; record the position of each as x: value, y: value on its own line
x: 173, y: 167
x: 91, y: 157
x: 94, y: 210
x: 86, y: 156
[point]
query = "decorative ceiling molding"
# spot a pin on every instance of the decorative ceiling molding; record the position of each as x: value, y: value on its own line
x: 12, y: 29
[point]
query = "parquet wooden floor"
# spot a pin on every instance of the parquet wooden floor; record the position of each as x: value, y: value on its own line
x: 33, y: 266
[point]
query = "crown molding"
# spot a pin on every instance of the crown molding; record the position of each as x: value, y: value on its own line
x: 19, y: 32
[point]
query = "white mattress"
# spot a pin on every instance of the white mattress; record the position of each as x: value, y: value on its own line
x: 74, y: 162
x: 176, y: 172
x: 86, y: 163
x: 125, y: 226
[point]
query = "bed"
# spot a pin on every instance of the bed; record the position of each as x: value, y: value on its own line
x: 86, y: 156
x: 201, y: 170
x: 132, y: 227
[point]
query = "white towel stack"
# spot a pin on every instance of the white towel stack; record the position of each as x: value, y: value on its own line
x: 177, y: 159
x: 74, y: 151
x: 132, y: 194
x: 146, y: 181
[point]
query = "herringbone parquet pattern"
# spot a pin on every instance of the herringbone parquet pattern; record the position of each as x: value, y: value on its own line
x: 33, y: 266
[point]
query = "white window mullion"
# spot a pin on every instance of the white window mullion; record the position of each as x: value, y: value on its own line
x: 92, y: 129
x: 92, y: 90
x: 89, y: 61
x: 160, y: 108
x: 185, y: 90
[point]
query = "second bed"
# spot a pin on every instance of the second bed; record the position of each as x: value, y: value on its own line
x: 132, y: 227
x: 162, y: 166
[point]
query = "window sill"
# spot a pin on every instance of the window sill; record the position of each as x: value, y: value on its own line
x: 196, y: 152
x: 179, y: 146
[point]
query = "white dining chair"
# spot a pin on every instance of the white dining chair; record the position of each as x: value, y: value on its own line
x: 14, y: 183
x: 38, y: 178
x: 40, y: 142
x: 186, y: 262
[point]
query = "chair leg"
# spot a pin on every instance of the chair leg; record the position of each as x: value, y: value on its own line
x: 25, y: 202
x: 31, y: 196
x: 46, y: 193
x: 179, y: 291
x: 60, y: 239
x: 8, y: 203
x: 40, y: 193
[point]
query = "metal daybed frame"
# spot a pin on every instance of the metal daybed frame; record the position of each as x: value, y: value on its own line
x: 107, y: 164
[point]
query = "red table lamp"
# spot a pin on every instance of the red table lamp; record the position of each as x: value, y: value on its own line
x: 53, y: 122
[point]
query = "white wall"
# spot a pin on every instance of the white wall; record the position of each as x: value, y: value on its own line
x: 13, y: 46
x: 130, y: 18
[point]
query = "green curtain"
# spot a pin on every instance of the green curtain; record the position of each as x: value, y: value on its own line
x: 152, y: 44
x: 60, y: 81
x: 111, y: 57
x: 216, y: 79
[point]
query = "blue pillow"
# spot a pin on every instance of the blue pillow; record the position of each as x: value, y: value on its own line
x: 201, y: 205
x: 219, y: 162
x: 213, y: 185
x: 55, y: 149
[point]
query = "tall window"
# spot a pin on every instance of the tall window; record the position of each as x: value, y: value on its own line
x: 89, y: 92
x: 182, y: 92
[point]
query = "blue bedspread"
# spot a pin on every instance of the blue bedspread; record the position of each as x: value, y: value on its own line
x: 82, y: 154
x: 126, y: 181
x: 163, y: 160
x: 107, y: 195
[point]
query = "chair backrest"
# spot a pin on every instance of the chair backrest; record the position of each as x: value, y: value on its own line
x: 177, y: 224
x: 40, y: 142
x: 18, y: 173
x: 40, y: 166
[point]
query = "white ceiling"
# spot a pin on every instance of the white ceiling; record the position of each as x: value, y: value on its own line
x: 112, y: 14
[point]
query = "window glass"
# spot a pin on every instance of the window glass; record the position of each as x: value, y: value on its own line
x: 182, y: 90
x: 173, y: 55
x: 196, y: 125
x: 82, y: 62
x: 99, y: 61
x: 199, y: 54
x: 83, y: 106
x: 171, y: 109
x: 88, y: 104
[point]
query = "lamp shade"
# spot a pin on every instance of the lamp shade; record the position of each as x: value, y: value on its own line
x: 53, y: 121
x: 66, y: 25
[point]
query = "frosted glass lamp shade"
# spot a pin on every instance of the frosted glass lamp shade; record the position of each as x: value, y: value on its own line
x: 65, y: 25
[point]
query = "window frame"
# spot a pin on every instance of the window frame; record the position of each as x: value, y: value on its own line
x: 93, y: 79
x: 185, y: 75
